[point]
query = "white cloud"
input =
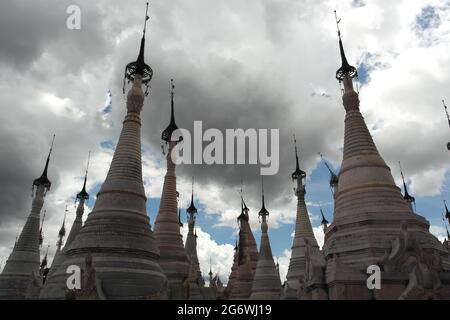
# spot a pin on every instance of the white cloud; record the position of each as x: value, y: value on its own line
x: 221, y: 255
x: 283, y: 261
x: 439, y: 232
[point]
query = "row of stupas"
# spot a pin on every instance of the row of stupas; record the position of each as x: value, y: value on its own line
x: 121, y: 257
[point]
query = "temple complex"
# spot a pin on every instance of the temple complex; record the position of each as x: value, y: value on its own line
x: 119, y: 257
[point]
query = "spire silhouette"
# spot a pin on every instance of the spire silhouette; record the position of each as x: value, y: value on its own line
x: 410, y: 199
x: 192, y: 210
x: 298, y: 173
x: 346, y: 70
x: 334, y: 179
x: 324, y: 222
x: 263, y: 212
x: 83, y: 193
x: 62, y: 230
x: 139, y: 67
x: 172, y: 127
x: 43, y: 179
x: 448, y: 119
x: 447, y: 212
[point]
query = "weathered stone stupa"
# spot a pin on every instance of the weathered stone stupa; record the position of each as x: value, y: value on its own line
x: 174, y: 260
x: 59, y: 256
x: 247, y: 257
x: 303, y: 231
x: 266, y: 281
x: 191, y: 239
x: 55, y: 284
x: 373, y: 224
x: 21, y: 275
x: 232, y: 277
x: 116, y: 247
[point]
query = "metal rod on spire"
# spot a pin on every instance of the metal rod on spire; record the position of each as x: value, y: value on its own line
x: 87, y: 166
x: 446, y: 112
x: 146, y: 18
x: 401, y: 172
x: 346, y: 71
x: 411, y: 200
x: 337, y: 24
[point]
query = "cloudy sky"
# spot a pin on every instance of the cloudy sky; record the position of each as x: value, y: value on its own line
x: 253, y: 64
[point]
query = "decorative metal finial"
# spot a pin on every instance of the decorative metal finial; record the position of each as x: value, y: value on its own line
x: 334, y: 179
x: 410, y: 199
x: 192, y: 210
x: 139, y: 67
x: 346, y: 70
x: 146, y: 18
x: 83, y: 193
x: 447, y: 212
x: 62, y: 231
x: 44, y: 261
x: 448, y: 119
x: 263, y: 212
x: 337, y: 24
x: 298, y: 173
x: 210, y: 266
x: 324, y: 222
x: 244, y: 208
x: 43, y: 179
x: 172, y: 127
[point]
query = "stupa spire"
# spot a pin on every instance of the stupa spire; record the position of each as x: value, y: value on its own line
x: 303, y: 230
x: 23, y: 263
x: 210, y: 273
x: 174, y: 260
x: 116, y: 240
x: 60, y: 254
x: 139, y: 67
x: 324, y: 222
x: 62, y: 231
x: 334, y: 179
x: 44, y: 260
x: 408, y: 198
x: 369, y: 206
x: 298, y: 173
x: 266, y: 282
x: 82, y: 197
x: 172, y: 127
x: 447, y: 212
x: 247, y: 257
x: 191, y: 239
x: 346, y: 71
x: 448, y: 119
